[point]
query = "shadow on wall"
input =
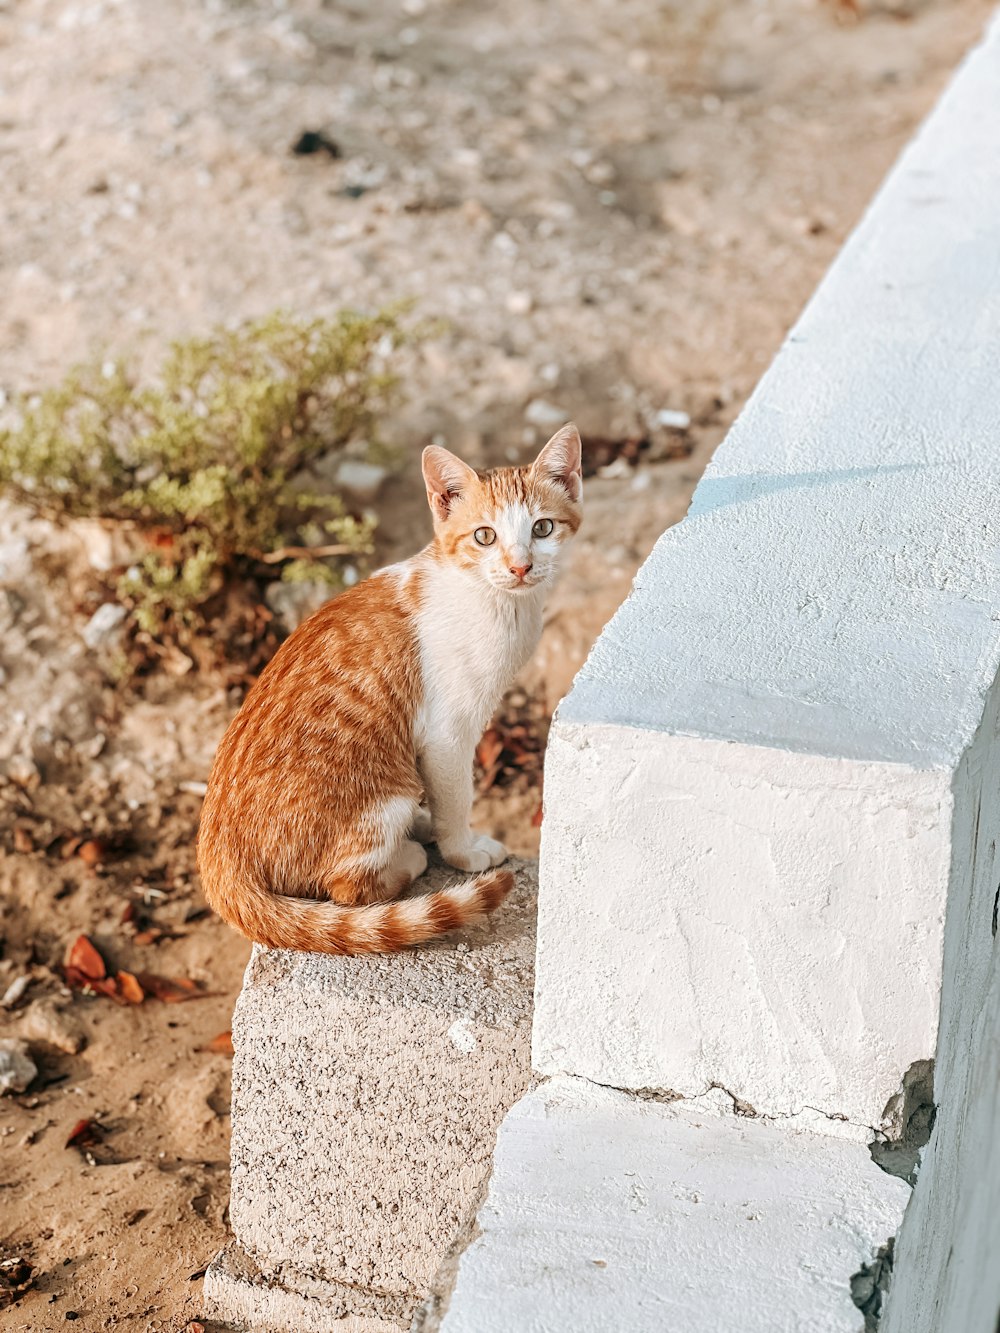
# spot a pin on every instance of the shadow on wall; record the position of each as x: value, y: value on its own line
x: 718, y: 492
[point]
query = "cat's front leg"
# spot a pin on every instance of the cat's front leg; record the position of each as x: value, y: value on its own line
x: 446, y: 768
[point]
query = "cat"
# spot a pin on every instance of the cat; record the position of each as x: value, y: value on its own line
x: 312, y: 823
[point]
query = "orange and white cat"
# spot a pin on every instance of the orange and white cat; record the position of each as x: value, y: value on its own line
x: 355, y: 746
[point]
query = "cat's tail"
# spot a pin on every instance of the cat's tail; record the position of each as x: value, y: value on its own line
x: 318, y: 926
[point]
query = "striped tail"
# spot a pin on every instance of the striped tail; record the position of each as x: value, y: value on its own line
x: 318, y: 926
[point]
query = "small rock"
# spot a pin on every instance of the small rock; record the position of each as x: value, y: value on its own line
x: 15, y: 990
x: 17, y: 1069
x: 315, y: 141
x: 673, y: 420
x: 519, y: 303
x: 13, y: 557
x: 107, y: 547
x: 92, y: 747
x: 539, y: 412
x: 104, y: 626
x: 862, y: 1288
x: 45, y: 1022
x: 361, y: 480
x: 23, y: 770
x: 292, y: 602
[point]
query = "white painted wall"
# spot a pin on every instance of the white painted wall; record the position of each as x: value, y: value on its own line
x: 764, y: 920
x: 751, y: 809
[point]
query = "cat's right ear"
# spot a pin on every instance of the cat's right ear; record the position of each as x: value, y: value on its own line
x: 445, y: 477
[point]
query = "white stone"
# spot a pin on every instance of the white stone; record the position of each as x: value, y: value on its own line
x: 519, y: 303
x: 292, y: 602
x: 606, y: 1212
x: 17, y: 1068
x: 539, y: 412
x: 672, y: 419
x: 755, y: 892
x: 361, y: 480
x: 108, y: 546
x: 104, y: 626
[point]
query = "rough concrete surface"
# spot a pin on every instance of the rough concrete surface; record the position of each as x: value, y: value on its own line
x: 250, y: 1299
x: 610, y: 1214
x: 366, y: 1098
x: 946, y: 1275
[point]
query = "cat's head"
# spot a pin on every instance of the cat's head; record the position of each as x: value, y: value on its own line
x: 510, y: 526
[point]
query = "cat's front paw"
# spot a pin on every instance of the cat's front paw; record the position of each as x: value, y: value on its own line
x: 496, y: 851
x: 477, y: 853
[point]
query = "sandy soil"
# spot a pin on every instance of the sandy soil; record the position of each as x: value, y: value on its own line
x: 618, y: 208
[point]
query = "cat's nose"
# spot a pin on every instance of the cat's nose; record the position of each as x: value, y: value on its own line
x: 519, y: 570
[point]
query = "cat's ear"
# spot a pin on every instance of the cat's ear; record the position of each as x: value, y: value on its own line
x: 561, y: 461
x: 446, y: 477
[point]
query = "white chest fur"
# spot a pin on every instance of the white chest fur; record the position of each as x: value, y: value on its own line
x: 473, y: 642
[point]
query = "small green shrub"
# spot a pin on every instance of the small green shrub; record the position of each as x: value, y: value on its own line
x: 212, y: 463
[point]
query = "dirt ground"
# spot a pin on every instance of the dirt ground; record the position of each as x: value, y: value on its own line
x: 618, y: 206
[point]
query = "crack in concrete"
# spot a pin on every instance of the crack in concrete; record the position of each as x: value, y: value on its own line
x: 741, y: 1107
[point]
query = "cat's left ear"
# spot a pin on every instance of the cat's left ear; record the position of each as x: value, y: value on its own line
x: 561, y: 461
x: 445, y: 477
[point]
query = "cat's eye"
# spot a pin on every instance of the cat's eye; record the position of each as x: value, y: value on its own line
x: 485, y: 536
x: 542, y: 527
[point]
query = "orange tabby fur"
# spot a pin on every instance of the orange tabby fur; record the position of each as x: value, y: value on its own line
x: 313, y: 803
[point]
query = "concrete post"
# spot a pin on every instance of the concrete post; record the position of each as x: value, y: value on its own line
x: 366, y: 1098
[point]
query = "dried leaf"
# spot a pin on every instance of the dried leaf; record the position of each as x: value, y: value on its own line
x: 128, y: 914
x: 131, y: 991
x: 536, y: 818
x: 490, y: 748
x: 84, y: 958
x: 16, y: 1277
x: 23, y: 841
x: 92, y: 852
x: 510, y: 752
x: 148, y: 936
x: 97, y: 985
x: 222, y: 1044
x: 85, y: 1134
x: 600, y: 451
x: 171, y: 990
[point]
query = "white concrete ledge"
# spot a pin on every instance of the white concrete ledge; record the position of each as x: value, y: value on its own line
x: 366, y: 1098
x: 753, y: 791
x: 607, y: 1213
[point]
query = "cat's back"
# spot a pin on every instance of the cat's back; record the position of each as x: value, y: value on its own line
x: 351, y: 670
